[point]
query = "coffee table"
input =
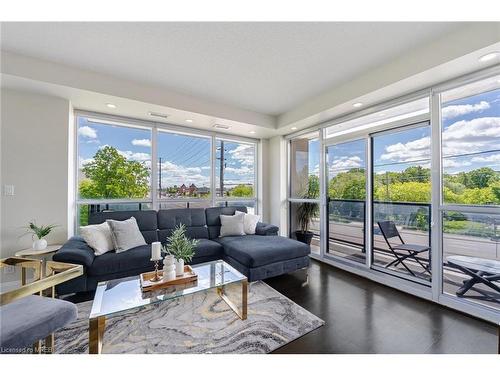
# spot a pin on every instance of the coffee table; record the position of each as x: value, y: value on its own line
x: 116, y: 297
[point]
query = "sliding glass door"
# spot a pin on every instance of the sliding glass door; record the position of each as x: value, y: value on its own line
x: 401, y: 198
x: 346, y: 199
x: 409, y: 193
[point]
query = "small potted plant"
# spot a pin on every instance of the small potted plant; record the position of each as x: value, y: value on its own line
x: 181, y: 247
x: 39, y: 232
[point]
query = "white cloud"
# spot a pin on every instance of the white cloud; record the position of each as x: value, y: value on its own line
x: 476, y: 135
x: 462, y: 137
x: 343, y: 164
x: 174, y: 174
x: 460, y: 110
x: 243, y: 170
x: 244, y: 154
x: 87, y: 132
x: 137, y: 156
x: 142, y: 142
x: 83, y: 161
x: 494, y: 158
x: 452, y: 163
x: 409, y: 151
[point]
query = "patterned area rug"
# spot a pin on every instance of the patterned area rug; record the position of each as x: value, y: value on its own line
x: 199, y: 323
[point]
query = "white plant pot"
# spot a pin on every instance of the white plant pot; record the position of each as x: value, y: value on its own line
x: 39, y: 245
x: 179, y: 267
x: 169, y: 272
x: 169, y: 260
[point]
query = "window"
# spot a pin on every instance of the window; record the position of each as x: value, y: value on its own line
x: 184, y: 166
x: 235, y: 169
x: 346, y: 199
x: 116, y: 168
x: 470, y: 126
x: 114, y: 162
x: 471, y: 143
x: 402, y: 195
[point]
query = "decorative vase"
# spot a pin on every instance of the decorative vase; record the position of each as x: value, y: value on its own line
x: 39, y: 244
x: 169, y: 268
x: 179, y: 267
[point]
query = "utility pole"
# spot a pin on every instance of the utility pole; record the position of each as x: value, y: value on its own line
x: 221, y: 171
x: 159, y: 175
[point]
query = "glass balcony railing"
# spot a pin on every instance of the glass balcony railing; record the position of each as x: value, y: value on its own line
x: 473, y: 236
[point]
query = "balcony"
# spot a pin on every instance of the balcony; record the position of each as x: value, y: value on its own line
x: 472, y: 236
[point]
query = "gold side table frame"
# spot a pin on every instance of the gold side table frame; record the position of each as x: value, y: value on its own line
x: 56, y: 273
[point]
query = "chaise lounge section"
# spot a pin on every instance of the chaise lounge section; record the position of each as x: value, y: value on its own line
x: 258, y: 256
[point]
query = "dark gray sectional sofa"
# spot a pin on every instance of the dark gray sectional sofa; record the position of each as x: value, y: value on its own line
x: 258, y: 256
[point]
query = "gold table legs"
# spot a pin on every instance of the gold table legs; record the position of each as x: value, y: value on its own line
x: 96, y: 334
x: 242, y: 313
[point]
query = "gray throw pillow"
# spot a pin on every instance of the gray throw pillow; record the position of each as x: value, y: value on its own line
x: 232, y: 225
x: 125, y: 234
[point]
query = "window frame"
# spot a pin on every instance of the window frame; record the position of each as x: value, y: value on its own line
x: 155, y: 128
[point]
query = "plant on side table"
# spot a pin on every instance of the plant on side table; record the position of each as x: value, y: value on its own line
x: 40, y: 232
x: 181, y: 247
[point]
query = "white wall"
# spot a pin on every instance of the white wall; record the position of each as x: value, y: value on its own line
x: 34, y: 158
x: 277, y: 183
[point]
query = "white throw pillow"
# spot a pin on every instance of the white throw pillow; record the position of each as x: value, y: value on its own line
x: 250, y: 222
x: 98, y: 237
x: 125, y: 234
x: 232, y: 225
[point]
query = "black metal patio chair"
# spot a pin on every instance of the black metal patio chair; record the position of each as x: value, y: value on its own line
x: 403, y: 251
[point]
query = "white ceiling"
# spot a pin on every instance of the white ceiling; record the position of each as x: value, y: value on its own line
x: 263, y: 67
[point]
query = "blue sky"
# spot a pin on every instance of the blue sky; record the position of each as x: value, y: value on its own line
x: 185, y: 159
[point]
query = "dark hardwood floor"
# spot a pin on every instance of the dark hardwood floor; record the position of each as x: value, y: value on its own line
x: 366, y: 317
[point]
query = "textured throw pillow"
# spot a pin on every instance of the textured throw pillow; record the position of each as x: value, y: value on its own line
x: 125, y: 234
x: 98, y: 237
x: 250, y: 222
x: 232, y: 225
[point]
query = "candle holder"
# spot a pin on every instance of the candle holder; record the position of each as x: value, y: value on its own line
x: 157, y: 277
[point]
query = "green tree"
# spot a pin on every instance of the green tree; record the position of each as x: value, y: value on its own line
x: 111, y: 175
x: 348, y: 185
x: 241, y: 191
x: 405, y: 192
x: 415, y: 174
x: 478, y: 178
x: 313, y: 187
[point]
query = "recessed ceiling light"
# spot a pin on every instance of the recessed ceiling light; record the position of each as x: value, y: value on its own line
x: 157, y: 114
x: 110, y: 105
x: 252, y: 131
x: 189, y: 120
x: 357, y: 105
x: 489, y: 56
x: 294, y: 128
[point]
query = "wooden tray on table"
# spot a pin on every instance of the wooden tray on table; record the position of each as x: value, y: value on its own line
x: 148, y: 285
